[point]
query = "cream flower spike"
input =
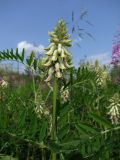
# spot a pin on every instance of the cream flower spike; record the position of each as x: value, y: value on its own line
x: 114, y: 108
x: 57, y: 54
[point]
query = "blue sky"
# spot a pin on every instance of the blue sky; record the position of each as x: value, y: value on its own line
x: 30, y: 20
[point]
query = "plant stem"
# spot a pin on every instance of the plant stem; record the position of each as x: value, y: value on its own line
x: 43, y: 154
x: 54, y: 116
x: 34, y: 89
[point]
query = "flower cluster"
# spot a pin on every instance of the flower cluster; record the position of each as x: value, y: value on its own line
x: 3, y: 83
x: 102, y: 74
x: 58, y: 59
x: 101, y: 78
x: 114, y: 108
x: 40, y: 108
x: 116, y: 54
x: 65, y: 95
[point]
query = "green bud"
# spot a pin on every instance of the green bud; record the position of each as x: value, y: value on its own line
x: 51, y: 71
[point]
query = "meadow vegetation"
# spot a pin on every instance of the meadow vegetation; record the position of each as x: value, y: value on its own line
x: 59, y: 112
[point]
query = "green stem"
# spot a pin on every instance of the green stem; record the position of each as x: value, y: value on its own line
x: 54, y: 116
x: 34, y: 89
x: 43, y: 154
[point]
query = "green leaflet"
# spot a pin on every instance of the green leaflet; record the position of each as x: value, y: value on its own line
x: 100, y: 120
x: 35, y: 64
x: 19, y: 57
x: 89, y: 128
x: 23, y: 55
x: 81, y: 131
x: 22, y: 117
x: 43, y: 130
x: 3, y: 157
x: 12, y: 55
x: 63, y: 131
x: 33, y: 128
x: 63, y: 117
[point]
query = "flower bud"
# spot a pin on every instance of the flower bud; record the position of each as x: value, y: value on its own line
x: 48, y: 78
x: 54, y: 57
x: 47, y: 63
x: 59, y: 48
x: 67, y: 65
x: 57, y: 66
x: 66, y: 52
x: 63, y: 54
x: 48, y: 48
x: 62, y: 66
x: 51, y: 71
x: 58, y: 74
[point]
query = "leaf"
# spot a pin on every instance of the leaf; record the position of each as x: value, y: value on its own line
x: 63, y: 131
x: 33, y: 125
x: 23, y: 54
x: 1, y: 56
x: 63, y: 117
x: 6, y: 55
x: 88, y: 128
x: 17, y: 55
x: 100, y: 120
x: 43, y: 130
x: 35, y: 64
x: 54, y: 146
x: 70, y: 145
x: 12, y: 54
x: 81, y: 131
x: 5, y: 157
x: 22, y: 117
x: 30, y: 60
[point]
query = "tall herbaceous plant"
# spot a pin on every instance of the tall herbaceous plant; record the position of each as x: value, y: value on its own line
x: 57, y: 61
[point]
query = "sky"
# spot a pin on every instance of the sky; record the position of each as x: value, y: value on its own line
x: 25, y: 23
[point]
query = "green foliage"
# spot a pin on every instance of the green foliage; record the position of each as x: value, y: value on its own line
x: 83, y: 129
x: 30, y: 62
x: 3, y: 157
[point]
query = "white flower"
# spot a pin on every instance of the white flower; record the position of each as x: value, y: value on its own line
x: 114, y: 109
x: 39, y: 110
x: 57, y: 54
x: 65, y: 95
x: 3, y: 84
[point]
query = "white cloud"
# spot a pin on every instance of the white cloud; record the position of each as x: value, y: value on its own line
x: 103, y: 58
x: 38, y: 49
x: 29, y: 47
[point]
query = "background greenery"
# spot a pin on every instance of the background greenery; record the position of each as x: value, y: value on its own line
x: 84, y: 130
